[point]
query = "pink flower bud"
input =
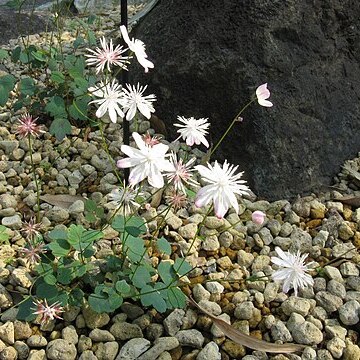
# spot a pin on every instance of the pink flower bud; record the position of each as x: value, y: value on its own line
x: 258, y: 217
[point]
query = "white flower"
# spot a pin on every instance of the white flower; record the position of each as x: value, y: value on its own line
x: 222, y: 189
x: 292, y: 270
x: 134, y: 99
x: 147, y: 162
x: 193, y: 130
x: 138, y: 48
x: 181, y: 173
x: 111, y: 99
x: 263, y: 93
x: 125, y: 198
x: 106, y: 56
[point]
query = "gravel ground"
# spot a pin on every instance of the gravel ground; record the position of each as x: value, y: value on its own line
x: 325, y: 318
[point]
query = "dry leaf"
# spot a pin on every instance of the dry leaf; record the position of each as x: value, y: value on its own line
x: 350, y: 200
x: 63, y: 201
x: 247, y: 340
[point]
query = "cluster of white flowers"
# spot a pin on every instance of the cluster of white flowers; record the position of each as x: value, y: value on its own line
x: 151, y: 160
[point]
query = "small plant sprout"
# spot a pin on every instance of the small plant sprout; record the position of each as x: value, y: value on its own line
x: 193, y: 130
x: 138, y: 48
x: 292, y: 270
x: 223, y: 185
x: 263, y: 93
x: 106, y: 56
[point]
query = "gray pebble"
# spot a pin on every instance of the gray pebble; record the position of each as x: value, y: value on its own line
x: 60, y: 349
x: 37, y: 341
x: 132, y: 349
x: 125, y: 331
x: 210, y: 351
x: 173, y: 322
x: 160, y: 345
x: 107, y: 350
x: 22, y: 350
x: 280, y: 332
x: 328, y: 301
x: 296, y: 305
x: 88, y: 355
x: 349, y: 312
x: 336, y: 288
x: 307, y: 333
x: 191, y: 338
x: 13, y: 222
x: 336, y: 346
x: 58, y: 214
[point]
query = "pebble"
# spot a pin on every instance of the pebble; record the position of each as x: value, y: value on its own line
x: 211, y: 243
x: 13, y: 222
x: 351, y: 352
x: 22, y: 350
x: 210, y: 306
x: 160, y: 345
x: 244, y: 311
x: 336, y: 288
x: 333, y: 329
x: 69, y: 334
x: 7, y: 333
x: 214, y: 287
x: 99, y: 335
x: 296, y: 305
x: 36, y: 341
x: 271, y: 291
x: 336, y: 346
x: 172, y: 323
x: 307, y: 333
x: 58, y: 214
x: 349, y: 269
x: 60, y: 349
x: 8, y: 353
x: 301, y: 240
x: 93, y: 319
x: 192, y: 338
x: 21, y: 276
x: 209, y: 352
x: 133, y: 348
x: 37, y: 355
x: 84, y: 343
x: 212, y: 222
x: 280, y: 332
x: 349, y: 312
x: 125, y: 331
x: 22, y: 330
x: 88, y: 355
x: 107, y: 350
x: 188, y: 231
x: 328, y: 301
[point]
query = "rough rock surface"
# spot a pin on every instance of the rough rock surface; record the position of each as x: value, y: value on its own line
x: 216, y: 53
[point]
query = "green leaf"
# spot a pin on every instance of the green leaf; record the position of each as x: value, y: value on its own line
x: 122, y: 287
x: 181, y: 267
x: 60, y: 128
x: 58, y: 234
x: 46, y: 291
x: 152, y: 297
x: 27, y: 86
x: 15, y: 54
x: 141, y: 276
x: 76, y: 297
x: 78, y: 42
x: 4, y: 54
x: 26, y: 309
x: 132, y: 225
x: 56, y: 107
x: 115, y: 301
x: 78, y: 234
x: 7, y: 82
x: 91, y: 38
x: 176, y: 298
x: 78, y: 109
x: 65, y: 275
x: 90, y: 205
x: 134, y: 248
x: 53, y: 65
x: 39, y: 55
x: 4, y: 235
x: 166, y: 272
x: 163, y: 246
x: 91, y: 19
x: 50, y: 279
x: 59, y: 247
x: 58, y: 77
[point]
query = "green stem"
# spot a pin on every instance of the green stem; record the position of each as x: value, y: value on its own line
x: 230, y: 126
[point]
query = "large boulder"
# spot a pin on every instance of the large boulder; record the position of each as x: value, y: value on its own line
x: 211, y: 55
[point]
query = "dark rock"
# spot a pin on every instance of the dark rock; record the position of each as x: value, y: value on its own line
x: 211, y: 55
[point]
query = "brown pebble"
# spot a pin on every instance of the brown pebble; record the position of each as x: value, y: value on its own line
x: 256, y: 334
x: 204, y: 322
x: 234, y: 350
x: 231, y: 254
x: 313, y: 223
x: 347, y: 213
x: 176, y: 353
